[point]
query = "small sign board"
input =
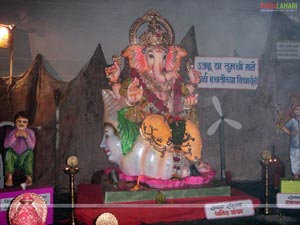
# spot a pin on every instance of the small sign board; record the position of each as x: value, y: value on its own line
x: 288, y: 201
x: 230, y: 209
x: 288, y: 50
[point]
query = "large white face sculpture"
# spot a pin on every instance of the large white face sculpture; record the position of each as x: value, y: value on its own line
x: 111, y: 144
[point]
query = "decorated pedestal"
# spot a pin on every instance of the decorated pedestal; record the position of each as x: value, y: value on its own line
x: 117, y: 196
x: 7, y: 195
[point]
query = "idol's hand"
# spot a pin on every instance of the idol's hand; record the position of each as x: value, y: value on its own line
x: 113, y: 73
x: 194, y: 75
x: 191, y: 100
x: 194, y: 79
x: 134, y: 92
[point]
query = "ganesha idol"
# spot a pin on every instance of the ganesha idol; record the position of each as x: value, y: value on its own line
x: 150, y: 121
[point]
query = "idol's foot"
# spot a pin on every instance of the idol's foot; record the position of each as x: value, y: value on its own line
x: 9, y: 180
x: 137, y: 185
x: 28, y: 180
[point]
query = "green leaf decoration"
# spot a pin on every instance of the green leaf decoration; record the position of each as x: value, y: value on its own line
x: 178, y: 131
x: 128, y: 131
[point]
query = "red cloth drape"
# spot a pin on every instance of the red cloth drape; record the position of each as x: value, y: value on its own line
x: 90, y: 206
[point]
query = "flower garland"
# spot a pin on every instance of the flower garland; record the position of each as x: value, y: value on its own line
x: 158, y: 103
x: 176, y: 122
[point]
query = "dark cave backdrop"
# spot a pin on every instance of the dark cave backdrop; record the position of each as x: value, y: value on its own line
x: 81, y: 112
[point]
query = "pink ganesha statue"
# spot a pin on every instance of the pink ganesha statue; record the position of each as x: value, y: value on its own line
x: 150, y: 128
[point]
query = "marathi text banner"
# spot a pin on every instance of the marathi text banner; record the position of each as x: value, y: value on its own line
x: 228, y: 72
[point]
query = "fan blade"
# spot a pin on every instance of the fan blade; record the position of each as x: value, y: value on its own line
x: 233, y: 123
x: 212, y: 129
x: 217, y: 105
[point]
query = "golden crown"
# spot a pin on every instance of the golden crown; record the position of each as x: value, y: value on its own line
x: 159, y: 31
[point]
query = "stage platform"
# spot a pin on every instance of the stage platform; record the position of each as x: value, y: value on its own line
x: 91, y: 198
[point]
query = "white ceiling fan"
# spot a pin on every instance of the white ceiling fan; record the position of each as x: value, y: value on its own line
x: 220, y: 124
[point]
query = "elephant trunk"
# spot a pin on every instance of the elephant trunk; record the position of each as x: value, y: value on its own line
x: 161, y: 75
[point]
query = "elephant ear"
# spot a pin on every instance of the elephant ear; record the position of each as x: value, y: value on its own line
x: 136, y: 57
x: 173, y: 58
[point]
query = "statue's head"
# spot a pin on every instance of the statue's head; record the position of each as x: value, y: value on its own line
x: 159, y: 30
x: 155, y: 35
x: 154, y: 48
x: 296, y: 110
x: 21, y: 120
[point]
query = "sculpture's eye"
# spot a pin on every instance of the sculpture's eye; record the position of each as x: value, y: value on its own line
x: 151, y: 56
x: 107, y: 132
